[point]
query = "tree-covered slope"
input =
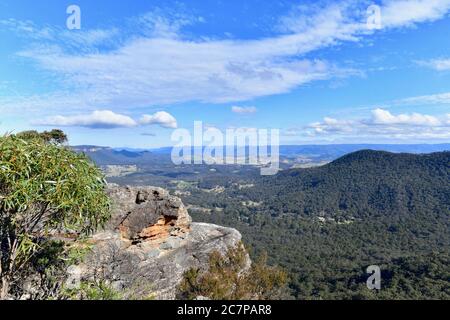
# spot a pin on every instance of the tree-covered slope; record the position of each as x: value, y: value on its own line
x: 363, y: 184
x: 326, y: 225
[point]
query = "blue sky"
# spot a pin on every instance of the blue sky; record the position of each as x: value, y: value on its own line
x: 136, y: 70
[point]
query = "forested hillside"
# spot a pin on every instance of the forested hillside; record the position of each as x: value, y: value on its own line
x: 326, y: 225
x: 361, y: 185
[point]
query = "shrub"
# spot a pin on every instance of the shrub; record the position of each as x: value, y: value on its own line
x: 45, y: 188
x: 92, y: 290
x: 55, y: 136
x: 229, y: 278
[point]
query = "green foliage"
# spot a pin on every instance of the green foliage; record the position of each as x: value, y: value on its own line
x: 363, y: 185
x: 417, y: 277
x: 229, y: 278
x: 92, y: 290
x: 102, y: 290
x: 267, y: 282
x: 378, y: 208
x: 54, y: 136
x: 48, y: 255
x: 44, y: 189
x: 76, y: 252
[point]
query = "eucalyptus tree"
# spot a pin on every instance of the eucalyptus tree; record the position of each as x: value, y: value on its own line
x: 44, y: 188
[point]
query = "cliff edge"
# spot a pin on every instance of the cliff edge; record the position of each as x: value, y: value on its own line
x: 150, y: 242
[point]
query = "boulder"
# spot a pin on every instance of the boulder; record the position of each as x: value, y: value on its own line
x: 150, y: 242
x: 147, y: 213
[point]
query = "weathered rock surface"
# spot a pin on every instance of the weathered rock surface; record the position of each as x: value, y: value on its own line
x: 147, y: 213
x: 150, y: 243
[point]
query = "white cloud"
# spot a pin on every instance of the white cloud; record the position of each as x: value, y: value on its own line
x: 381, y: 116
x: 346, y: 20
x: 89, y: 37
x: 440, y: 98
x: 330, y: 125
x: 382, y: 124
x: 162, y: 118
x: 106, y: 119
x: 163, y: 71
x: 436, y: 64
x: 243, y: 110
x: 399, y: 13
x: 97, y: 119
x: 159, y: 24
x: 160, y: 66
x: 81, y: 39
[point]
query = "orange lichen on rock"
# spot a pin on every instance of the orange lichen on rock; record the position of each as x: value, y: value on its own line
x: 160, y: 230
x: 146, y: 214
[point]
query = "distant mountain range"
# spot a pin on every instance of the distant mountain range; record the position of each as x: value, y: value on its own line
x: 337, y: 150
x: 111, y: 156
x: 117, y: 156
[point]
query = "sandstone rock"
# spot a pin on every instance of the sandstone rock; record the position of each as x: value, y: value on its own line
x: 150, y: 243
x: 147, y: 213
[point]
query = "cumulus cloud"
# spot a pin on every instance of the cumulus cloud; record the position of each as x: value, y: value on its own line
x: 106, y: 119
x: 243, y: 110
x: 162, y: 118
x: 103, y: 119
x: 381, y: 124
x: 380, y: 116
x: 161, y: 66
x: 330, y: 125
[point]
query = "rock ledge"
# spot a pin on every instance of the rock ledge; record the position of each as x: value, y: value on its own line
x: 150, y: 242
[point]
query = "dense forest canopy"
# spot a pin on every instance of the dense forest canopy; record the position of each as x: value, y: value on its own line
x: 327, y: 224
